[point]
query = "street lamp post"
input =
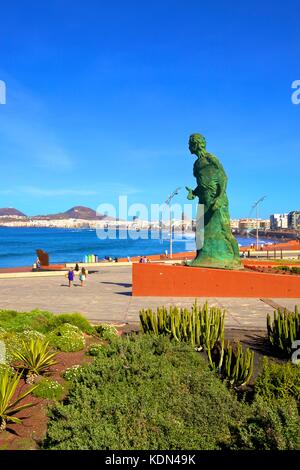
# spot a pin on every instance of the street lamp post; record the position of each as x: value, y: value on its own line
x: 255, y: 206
x: 168, y: 202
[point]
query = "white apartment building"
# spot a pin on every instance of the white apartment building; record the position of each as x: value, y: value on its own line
x: 278, y: 221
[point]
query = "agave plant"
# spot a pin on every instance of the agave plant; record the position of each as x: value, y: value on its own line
x: 8, y: 404
x: 36, y: 358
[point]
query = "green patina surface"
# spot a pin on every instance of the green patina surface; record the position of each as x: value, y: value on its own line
x: 219, y: 248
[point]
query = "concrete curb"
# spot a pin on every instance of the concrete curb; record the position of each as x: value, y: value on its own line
x: 32, y: 274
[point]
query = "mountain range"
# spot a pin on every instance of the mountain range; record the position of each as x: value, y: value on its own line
x: 10, y: 212
x: 76, y: 212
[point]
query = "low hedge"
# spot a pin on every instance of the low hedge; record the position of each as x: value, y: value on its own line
x: 149, y: 393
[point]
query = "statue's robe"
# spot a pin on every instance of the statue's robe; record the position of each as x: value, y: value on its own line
x: 220, y: 248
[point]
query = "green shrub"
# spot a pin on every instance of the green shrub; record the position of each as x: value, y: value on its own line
x: 147, y: 393
x: 20, y: 321
x: 281, y: 268
x: 269, y: 426
x: 278, y: 381
x: 72, y: 373
x: 67, y: 338
x: 107, y: 332
x: 295, y: 269
x: 96, y: 350
x: 13, y: 342
x: 28, y: 335
x: 41, y: 321
x: 291, y: 269
x: 72, y: 319
x: 5, y: 368
x: 50, y: 389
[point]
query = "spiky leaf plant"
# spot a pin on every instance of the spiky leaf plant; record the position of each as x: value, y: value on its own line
x: 35, y: 358
x: 9, y: 405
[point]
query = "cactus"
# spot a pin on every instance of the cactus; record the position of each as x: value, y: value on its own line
x: 200, y: 326
x: 284, y: 330
x: 236, y: 365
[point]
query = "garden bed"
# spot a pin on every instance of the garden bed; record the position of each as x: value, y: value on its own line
x: 132, y: 390
x: 287, y: 270
x: 31, y: 432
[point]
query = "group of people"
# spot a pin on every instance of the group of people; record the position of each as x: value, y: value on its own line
x: 81, y: 272
x: 110, y: 259
x: 144, y: 259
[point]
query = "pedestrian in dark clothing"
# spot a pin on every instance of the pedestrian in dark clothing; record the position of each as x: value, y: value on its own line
x: 71, y: 277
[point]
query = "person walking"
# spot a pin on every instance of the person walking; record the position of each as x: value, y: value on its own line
x: 82, y: 276
x: 71, y: 277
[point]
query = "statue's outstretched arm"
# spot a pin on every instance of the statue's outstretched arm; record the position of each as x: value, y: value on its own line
x: 191, y: 193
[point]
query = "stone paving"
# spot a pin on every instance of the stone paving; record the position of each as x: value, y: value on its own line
x: 107, y: 297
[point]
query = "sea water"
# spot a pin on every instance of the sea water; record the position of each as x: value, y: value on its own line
x: 18, y: 245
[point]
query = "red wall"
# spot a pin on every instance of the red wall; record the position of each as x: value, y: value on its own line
x: 164, y: 280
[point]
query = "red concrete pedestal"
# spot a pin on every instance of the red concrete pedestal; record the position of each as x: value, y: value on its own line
x: 162, y: 280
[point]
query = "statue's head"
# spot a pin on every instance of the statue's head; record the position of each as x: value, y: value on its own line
x: 197, y: 143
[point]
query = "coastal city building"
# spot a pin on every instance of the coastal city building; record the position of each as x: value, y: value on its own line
x: 278, y: 221
x: 79, y: 220
x: 234, y: 224
x: 250, y: 224
x: 294, y: 220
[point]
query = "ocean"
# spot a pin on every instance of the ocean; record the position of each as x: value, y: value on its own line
x: 18, y: 245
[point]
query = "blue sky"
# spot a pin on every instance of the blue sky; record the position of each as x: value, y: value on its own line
x: 102, y: 97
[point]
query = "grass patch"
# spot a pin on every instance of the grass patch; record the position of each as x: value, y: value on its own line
x: 41, y: 321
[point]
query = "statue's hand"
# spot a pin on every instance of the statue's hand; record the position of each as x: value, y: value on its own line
x: 190, y: 195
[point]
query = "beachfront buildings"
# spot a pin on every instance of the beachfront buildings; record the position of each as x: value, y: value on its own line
x: 278, y: 221
x: 294, y: 220
x: 234, y: 224
x: 250, y: 224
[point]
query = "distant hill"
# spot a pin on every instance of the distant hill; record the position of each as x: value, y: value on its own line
x: 11, y: 212
x: 77, y: 212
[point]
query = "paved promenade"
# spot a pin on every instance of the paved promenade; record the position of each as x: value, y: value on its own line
x: 107, y: 297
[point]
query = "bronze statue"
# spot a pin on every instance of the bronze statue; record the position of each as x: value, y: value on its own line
x: 43, y: 257
x: 219, y: 248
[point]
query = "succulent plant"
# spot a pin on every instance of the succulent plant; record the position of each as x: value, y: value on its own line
x: 284, y: 330
x: 200, y: 326
x: 236, y: 365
